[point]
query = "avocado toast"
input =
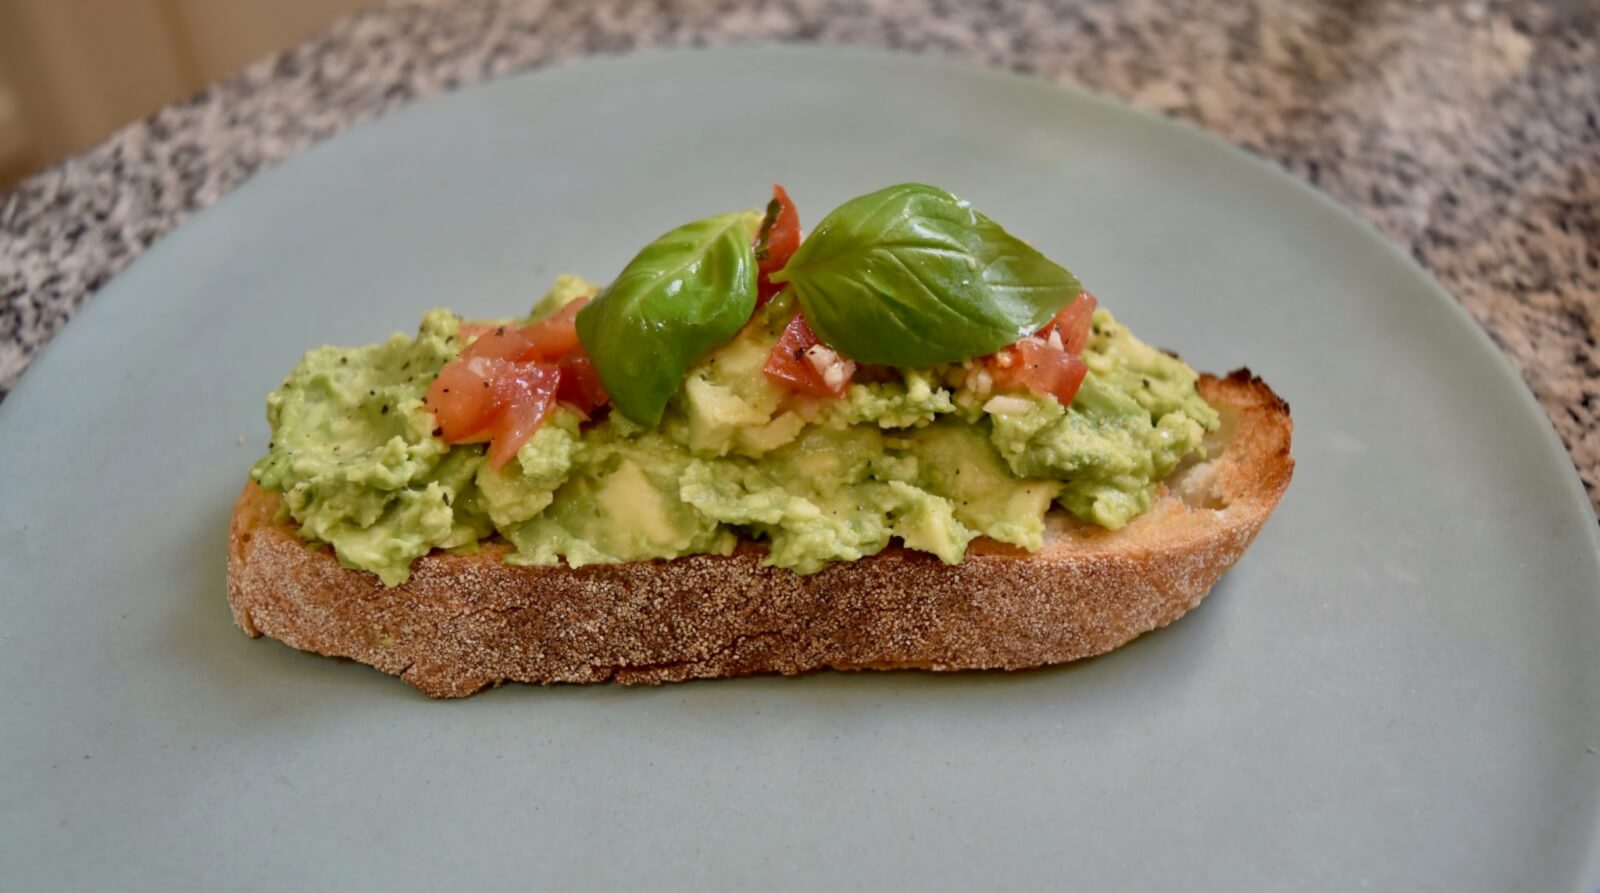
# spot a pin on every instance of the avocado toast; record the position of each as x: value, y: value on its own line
x: 908, y: 440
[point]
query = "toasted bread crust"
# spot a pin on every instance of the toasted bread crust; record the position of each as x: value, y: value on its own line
x: 464, y: 622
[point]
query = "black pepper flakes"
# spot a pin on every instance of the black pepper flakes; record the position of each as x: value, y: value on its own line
x: 384, y: 410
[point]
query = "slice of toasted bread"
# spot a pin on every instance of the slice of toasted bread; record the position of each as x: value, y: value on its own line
x: 464, y: 622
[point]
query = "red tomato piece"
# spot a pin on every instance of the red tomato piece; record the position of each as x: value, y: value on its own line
x: 800, y: 362
x: 1073, y: 323
x: 1034, y: 364
x: 499, y: 343
x: 504, y: 384
x: 1067, y: 389
x: 463, y: 398
x: 471, y: 330
x: 557, y: 336
x: 580, y: 384
x: 777, y: 241
x: 526, y: 393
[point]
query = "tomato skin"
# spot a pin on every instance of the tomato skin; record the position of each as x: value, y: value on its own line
x: 502, y: 402
x: 471, y: 330
x: 776, y: 243
x: 787, y: 364
x: 1051, y: 362
x: 546, y: 340
x: 499, y: 343
x: 504, y: 384
x: 1034, y: 364
x: 553, y: 338
x: 463, y: 398
x: 525, y: 393
x: 1072, y: 380
x: 580, y: 383
x: 1073, y: 323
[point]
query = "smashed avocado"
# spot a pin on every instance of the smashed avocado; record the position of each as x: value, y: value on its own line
x: 925, y: 456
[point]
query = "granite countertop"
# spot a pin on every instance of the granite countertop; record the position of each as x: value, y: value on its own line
x: 1466, y: 131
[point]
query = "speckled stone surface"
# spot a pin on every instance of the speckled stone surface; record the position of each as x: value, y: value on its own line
x: 1468, y: 132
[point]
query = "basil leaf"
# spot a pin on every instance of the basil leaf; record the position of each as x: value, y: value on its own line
x: 685, y: 293
x: 912, y: 276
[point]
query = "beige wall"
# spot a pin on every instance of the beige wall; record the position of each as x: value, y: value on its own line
x: 72, y: 71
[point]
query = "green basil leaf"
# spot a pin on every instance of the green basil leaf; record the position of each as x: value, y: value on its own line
x: 912, y: 276
x: 685, y: 293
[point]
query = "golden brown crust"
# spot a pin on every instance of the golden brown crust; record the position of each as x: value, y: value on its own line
x: 465, y: 622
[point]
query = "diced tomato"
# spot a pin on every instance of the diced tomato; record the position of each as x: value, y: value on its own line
x: 526, y: 393
x: 800, y: 362
x: 478, y: 399
x: 504, y: 384
x: 1034, y: 364
x: 471, y: 330
x: 557, y: 336
x: 463, y: 398
x: 1073, y: 323
x: 549, y: 339
x: 777, y: 241
x: 500, y: 343
x: 1050, y: 362
x: 580, y: 384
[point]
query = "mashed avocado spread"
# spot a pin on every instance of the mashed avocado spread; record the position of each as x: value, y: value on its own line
x: 933, y: 456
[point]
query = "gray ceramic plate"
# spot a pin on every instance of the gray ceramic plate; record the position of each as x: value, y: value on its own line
x: 1397, y: 687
